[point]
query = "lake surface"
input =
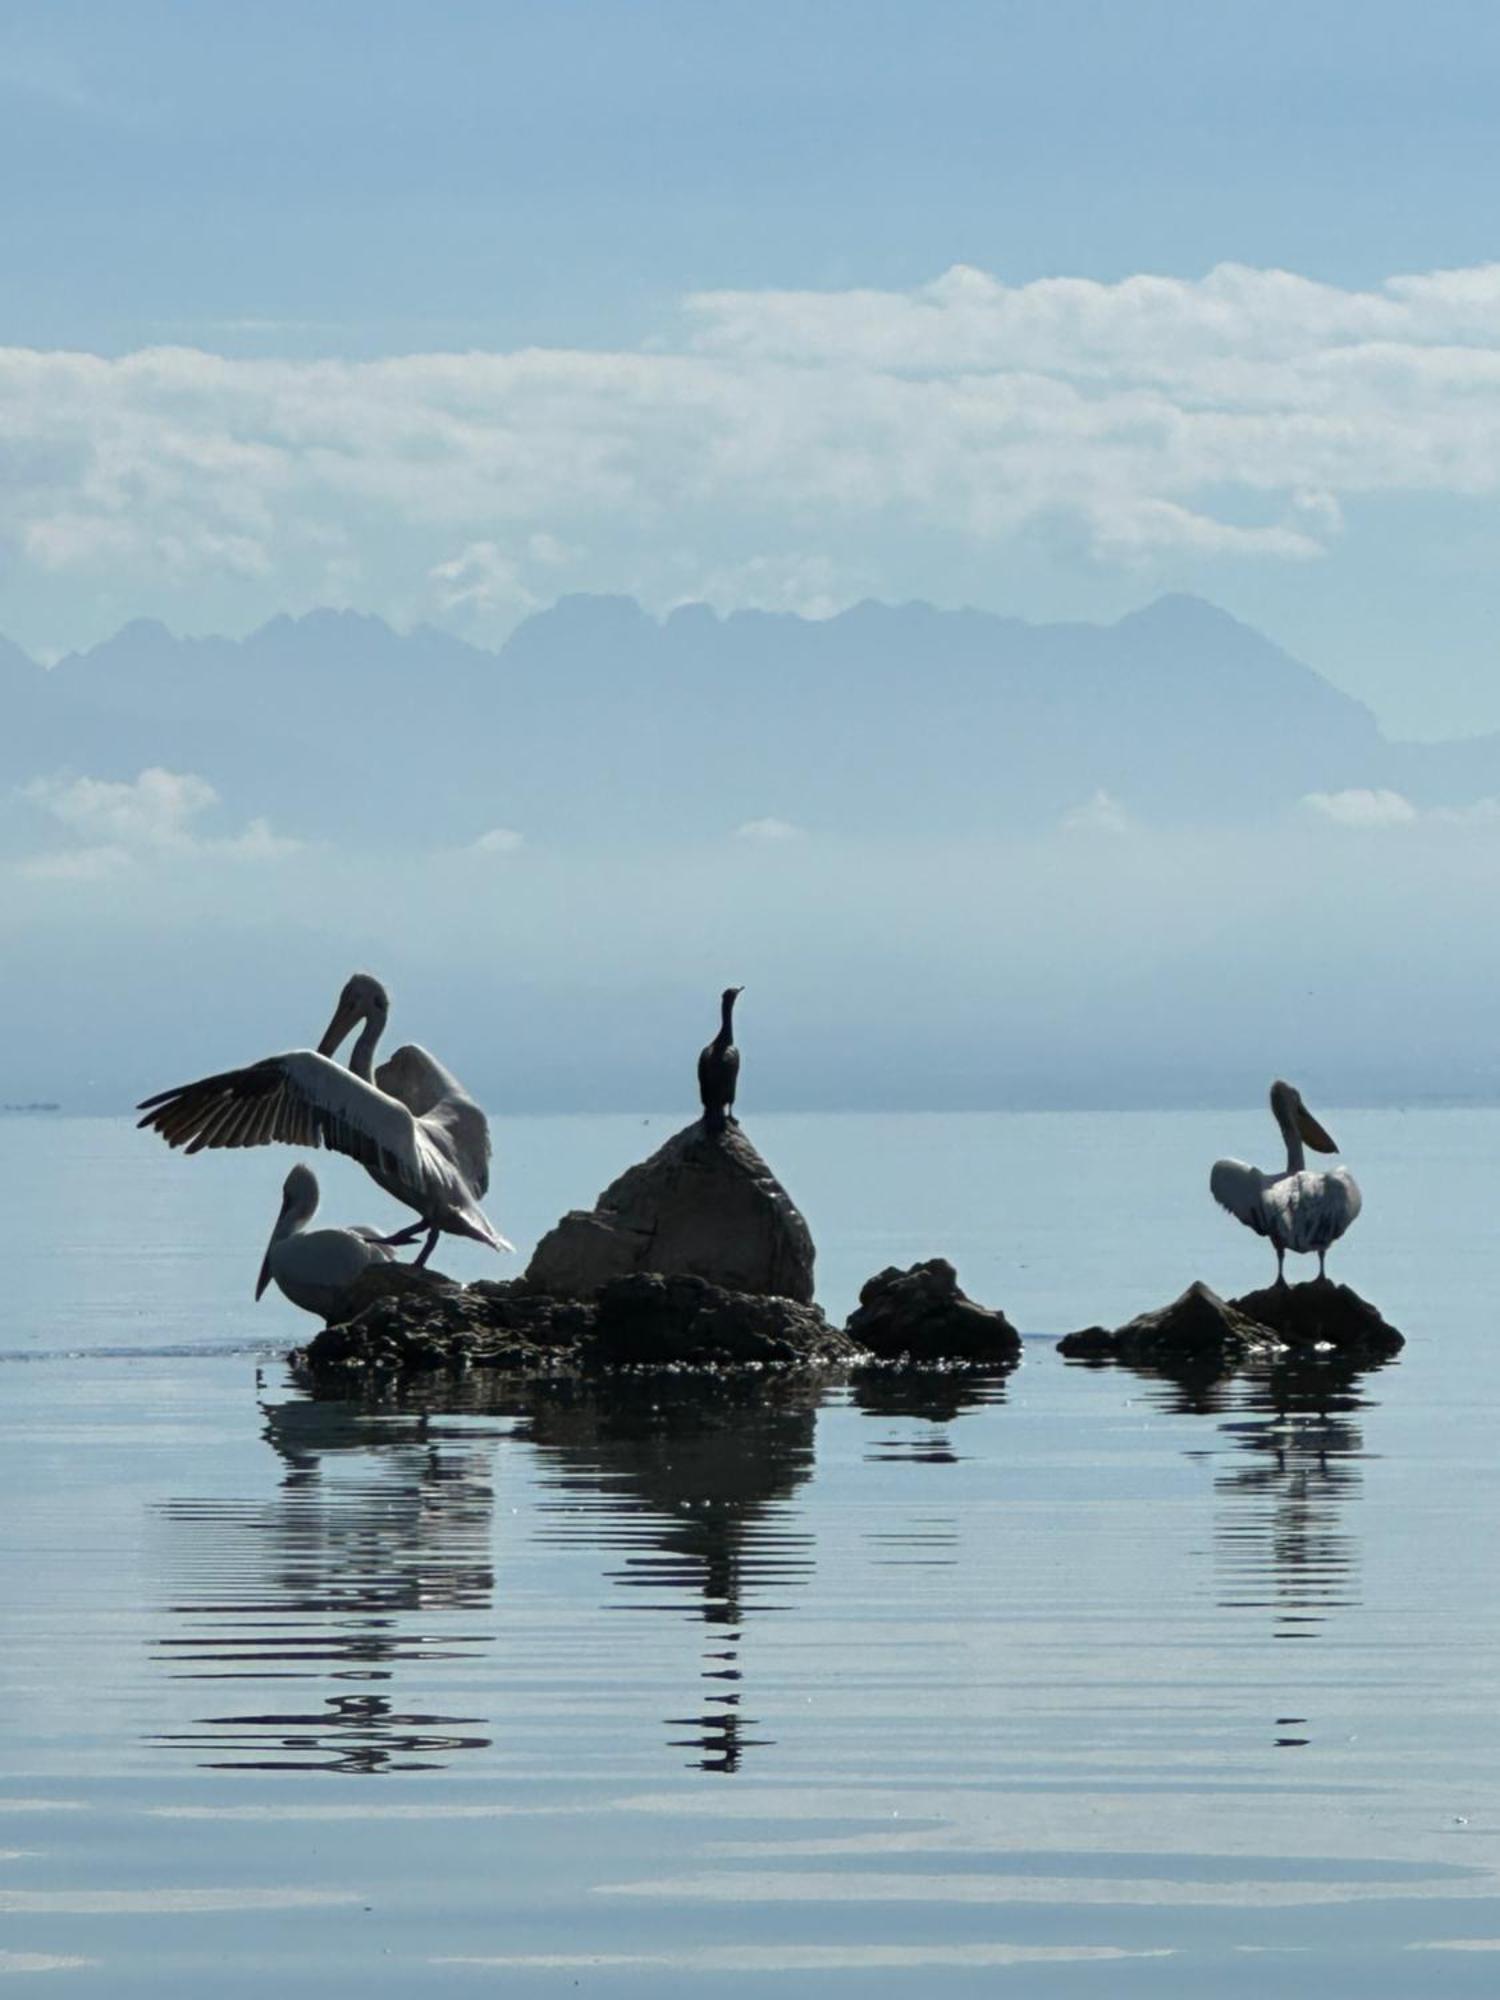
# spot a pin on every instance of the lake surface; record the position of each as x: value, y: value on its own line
x: 1076, y: 1682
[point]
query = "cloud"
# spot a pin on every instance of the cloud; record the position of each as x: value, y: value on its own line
x: 1100, y: 814
x: 769, y: 832
x: 1227, y: 417
x: 1362, y: 808
x: 121, y: 820
x: 499, y: 840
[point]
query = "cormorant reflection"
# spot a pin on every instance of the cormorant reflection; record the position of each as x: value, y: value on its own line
x: 687, y: 1481
x: 362, y: 1567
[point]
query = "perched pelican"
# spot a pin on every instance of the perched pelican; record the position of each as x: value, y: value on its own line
x: 1299, y: 1210
x: 719, y: 1067
x: 315, y: 1268
x: 410, y: 1124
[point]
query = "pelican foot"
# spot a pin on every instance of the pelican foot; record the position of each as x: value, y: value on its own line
x: 401, y: 1237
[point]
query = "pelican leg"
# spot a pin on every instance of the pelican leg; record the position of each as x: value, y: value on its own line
x: 427, y: 1249
x: 1280, y: 1265
x: 1322, y: 1274
x: 408, y: 1235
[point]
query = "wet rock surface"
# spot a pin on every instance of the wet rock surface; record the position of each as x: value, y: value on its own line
x: 402, y: 1321
x: 705, y: 1205
x: 920, y: 1315
x: 1202, y: 1330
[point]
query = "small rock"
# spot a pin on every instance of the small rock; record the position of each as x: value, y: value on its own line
x: 1202, y: 1331
x: 921, y: 1315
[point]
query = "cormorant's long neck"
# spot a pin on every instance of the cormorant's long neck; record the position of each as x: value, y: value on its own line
x: 726, y: 1022
x: 362, y: 1055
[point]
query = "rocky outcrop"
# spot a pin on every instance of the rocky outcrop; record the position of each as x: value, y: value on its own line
x: 1201, y: 1330
x: 402, y: 1323
x: 920, y: 1315
x: 705, y: 1205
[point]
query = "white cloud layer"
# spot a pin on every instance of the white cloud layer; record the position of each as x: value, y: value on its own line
x: 1227, y: 416
x: 118, y: 822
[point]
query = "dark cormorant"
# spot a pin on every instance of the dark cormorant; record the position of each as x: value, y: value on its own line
x: 719, y: 1068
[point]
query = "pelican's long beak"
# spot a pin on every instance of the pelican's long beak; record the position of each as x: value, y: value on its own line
x: 344, y: 1018
x: 1312, y: 1132
x: 265, y: 1275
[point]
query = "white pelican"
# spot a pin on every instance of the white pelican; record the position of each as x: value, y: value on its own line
x: 1299, y: 1210
x: 411, y: 1125
x: 315, y: 1268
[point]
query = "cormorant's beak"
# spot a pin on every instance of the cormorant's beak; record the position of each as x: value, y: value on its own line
x: 1312, y: 1132
x: 344, y: 1018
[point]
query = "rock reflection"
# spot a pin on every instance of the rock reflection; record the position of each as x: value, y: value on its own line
x: 362, y: 1567
x: 935, y: 1397
x: 687, y: 1483
x: 1292, y: 1469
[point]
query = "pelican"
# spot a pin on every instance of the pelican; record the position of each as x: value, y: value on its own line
x: 1298, y: 1209
x: 719, y: 1067
x: 315, y: 1268
x: 410, y: 1124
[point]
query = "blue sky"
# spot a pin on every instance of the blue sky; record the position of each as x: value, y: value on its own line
x: 288, y: 185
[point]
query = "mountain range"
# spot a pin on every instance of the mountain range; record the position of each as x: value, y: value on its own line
x: 595, y: 718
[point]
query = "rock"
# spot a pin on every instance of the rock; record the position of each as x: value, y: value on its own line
x: 647, y: 1320
x: 1198, y: 1327
x: 405, y: 1326
x: 1321, y: 1314
x: 402, y: 1320
x: 920, y: 1315
x: 1201, y: 1330
x: 705, y: 1205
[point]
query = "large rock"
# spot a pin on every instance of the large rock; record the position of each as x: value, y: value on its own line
x: 920, y: 1315
x: 1202, y: 1331
x: 705, y: 1206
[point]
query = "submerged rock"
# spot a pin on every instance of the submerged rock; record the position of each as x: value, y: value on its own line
x: 705, y: 1205
x: 920, y: 1315
x: 1201, y: 1330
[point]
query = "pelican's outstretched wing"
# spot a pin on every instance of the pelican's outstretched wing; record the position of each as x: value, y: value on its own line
x: 1242, y: 1190
x: 297, y: 1099
x: 433, y: 1093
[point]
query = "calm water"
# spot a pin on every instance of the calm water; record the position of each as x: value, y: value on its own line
x: 1078, y: 1682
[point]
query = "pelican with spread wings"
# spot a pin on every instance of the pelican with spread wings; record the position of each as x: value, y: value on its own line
x: 410, y: 1123
x: 1298, y: 1209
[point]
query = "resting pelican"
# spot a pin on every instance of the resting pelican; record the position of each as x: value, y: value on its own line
x: 315, y: 1268
x: 411, y: 1124
x: 719, y: 1067
x: 1299, y: 1210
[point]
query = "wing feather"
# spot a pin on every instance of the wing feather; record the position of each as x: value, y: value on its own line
x: 300, y: 1099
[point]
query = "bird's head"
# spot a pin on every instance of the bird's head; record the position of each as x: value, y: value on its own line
x: 1291, y: 1113
x: 363, y: 999
x: 299, y: 1203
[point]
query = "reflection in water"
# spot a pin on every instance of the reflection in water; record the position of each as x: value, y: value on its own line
x: 686, y: 1483
x: 369, y: 1559
x: 935, y: 1396
x: 373, y: 1557
x: 1284, y: 1540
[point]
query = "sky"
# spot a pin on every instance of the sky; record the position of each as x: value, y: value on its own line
x: 443, y: 312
